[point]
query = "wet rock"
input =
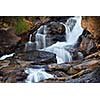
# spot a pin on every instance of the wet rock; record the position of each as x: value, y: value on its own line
x: 87, y: 44
x: 59, y: 74
x: 74, y: 52
x: 8, y: 40
x: 37, y: 57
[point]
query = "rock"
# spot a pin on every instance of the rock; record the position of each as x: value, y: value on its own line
x: 72, y: 71
x: 37, y: 57
x: 54, y: 32
x: 59, y: 74
x: 55, y: 28
x: 86, y: 43
x: 91, y: 77
x: 95, y: 77
x: 14, y: 76
x: 8, y: 41
x: 92, y: 24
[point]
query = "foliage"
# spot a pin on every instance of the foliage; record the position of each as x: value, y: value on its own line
x: 21, y: 25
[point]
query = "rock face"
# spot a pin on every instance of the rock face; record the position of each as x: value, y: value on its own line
x: 92, y: 24
x: 8, y: 40
x: 87, y: 44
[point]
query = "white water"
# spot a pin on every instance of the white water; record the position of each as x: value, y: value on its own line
x: 73, y: 31
x: 6, y: 56
x: 40, y: 41
x: 41, y: 37
x: 36, y: 75
x: 29, y: 45
x: 62, y: 55
x: 76, y: 31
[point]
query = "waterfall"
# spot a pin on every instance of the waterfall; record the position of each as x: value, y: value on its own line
x: 41, y: 37
x: 73, y: 31
x: 40, y: 41
x: 62, y: 54
x: 36, y: 75
x: 29, y: 45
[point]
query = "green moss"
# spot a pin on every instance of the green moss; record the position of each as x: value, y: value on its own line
x: 21, y: 25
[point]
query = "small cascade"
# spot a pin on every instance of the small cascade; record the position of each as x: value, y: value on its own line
x: 41, y: 37
x: 36, y: 75
x: 62, y: 54
x: 29, y: 45
x: 74, y: 29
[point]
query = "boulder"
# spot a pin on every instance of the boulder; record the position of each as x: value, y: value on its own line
x: 37, y: 57
x: 8, y: 40
x: 86, y: 43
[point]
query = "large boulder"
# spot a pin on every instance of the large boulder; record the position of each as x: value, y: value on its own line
x: 36, y: 56
x: 8, y: 40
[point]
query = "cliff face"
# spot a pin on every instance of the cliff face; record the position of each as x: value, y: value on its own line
x: 92, y: 24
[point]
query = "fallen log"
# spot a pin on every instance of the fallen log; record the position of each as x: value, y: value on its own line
x: 94, y: 55
x: 88, y: 64
x: 66, y: 78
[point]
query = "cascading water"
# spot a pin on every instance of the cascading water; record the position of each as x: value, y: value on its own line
x: 29, y: 45
x: 73, y: 31
x: 62, y: 55
x: 36, y: 75
x: 41, y: 37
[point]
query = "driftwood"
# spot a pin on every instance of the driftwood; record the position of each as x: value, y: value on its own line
x: 66, y: 78
x: 88, y: 64
x: 92, y: 55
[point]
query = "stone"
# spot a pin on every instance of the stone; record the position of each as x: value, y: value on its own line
x: 8, y: 41
x: 55, y: 32
x: 92, y: 24
x: 86, y: 43
x: 37, y: 57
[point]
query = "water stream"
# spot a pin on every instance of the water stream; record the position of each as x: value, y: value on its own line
x: 29, y: 45
x: 36, y: 75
